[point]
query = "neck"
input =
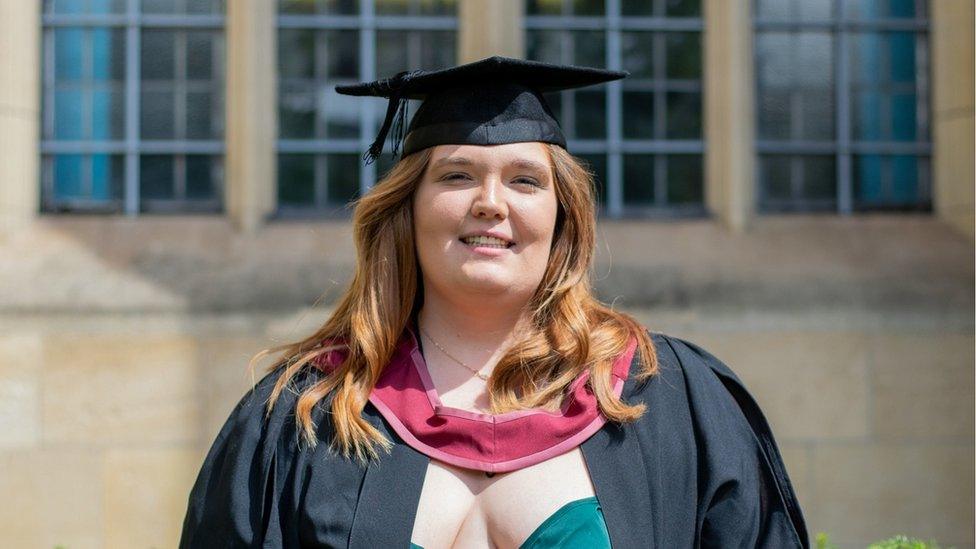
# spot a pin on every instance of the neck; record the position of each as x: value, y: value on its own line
x: 477, y: 334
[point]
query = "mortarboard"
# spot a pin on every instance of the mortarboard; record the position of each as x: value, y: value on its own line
x: 489, y: 102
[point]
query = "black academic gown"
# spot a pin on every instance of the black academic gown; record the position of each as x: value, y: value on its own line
x: 699, y: 469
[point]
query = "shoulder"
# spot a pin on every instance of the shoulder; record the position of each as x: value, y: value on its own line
x: 697, y: 373
x: 248, y: 475
x: 693, y: 382
x: 736, y: 451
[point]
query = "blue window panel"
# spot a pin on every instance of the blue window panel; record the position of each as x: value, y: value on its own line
x: 874, y: 9
x: 69, y: 179
x: 105, y: 125
x: 69, y: 7
x: 101, y: 43
x: 867, y: 115
x: 866, y: 58
x: 902, y: 8
x: 901, y: 46
x: 68, y: 53
x: 69, y: 114
x: 903, y: 117
x: 96, y: 177
x: 868, y: 178
x: 103, y: 176
x: 904, y: 179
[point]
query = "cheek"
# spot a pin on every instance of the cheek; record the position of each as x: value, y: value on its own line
x: 539, y: 221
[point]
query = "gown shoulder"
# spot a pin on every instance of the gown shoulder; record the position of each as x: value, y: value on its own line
x: 245, y: 492
x: 745, y: 497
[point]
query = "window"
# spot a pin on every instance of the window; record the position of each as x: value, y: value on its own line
x: 842, y: 105
x: 641, y: 136
x: 132, y: 113
x: 322, y: 135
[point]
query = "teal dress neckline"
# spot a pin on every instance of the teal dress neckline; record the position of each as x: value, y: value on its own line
x: 579, y: 524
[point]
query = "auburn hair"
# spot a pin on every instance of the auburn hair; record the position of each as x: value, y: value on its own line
x: 570, y: 330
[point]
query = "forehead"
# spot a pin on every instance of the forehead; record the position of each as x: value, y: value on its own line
x: 531, y: 152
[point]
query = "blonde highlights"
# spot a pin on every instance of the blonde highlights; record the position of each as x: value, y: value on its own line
x: 570, y: 330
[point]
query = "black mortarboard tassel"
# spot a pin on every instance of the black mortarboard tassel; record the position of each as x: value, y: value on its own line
x: 489, y: 102
x: 396, y: 112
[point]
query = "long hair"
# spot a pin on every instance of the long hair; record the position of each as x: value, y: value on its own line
x: 570, y: 330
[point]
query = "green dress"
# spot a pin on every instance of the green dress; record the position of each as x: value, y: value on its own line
x: 577, y: 524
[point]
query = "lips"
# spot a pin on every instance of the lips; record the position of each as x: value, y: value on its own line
x: 489, y: 234
x: 485, y: 241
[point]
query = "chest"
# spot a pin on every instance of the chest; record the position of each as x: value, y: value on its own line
x: 464, y: 508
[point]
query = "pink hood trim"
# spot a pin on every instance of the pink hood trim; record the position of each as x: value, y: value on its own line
x: 407, y: 399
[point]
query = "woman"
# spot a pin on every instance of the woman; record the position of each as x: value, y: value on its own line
x: 469, y: 389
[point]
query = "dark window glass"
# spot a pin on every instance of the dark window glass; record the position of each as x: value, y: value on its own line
x: 597, y: 165
x: 296, y: 179
x: 685, y: 181
x: 639, y: 179
x: 156, y: 176
x: 332, y: 7
x: 639, y: 122
x: 684, y: 58
x: 684, y: 115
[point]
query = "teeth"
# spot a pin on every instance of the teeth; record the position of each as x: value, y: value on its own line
x: 486, y: 240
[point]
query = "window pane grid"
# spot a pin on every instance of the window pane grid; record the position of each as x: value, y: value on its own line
x: 645, y: 131
x: 845, y: 82
x: 161, y: 62
x: 322, y: 134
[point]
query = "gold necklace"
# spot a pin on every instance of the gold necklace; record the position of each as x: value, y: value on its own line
x: 476, y: 372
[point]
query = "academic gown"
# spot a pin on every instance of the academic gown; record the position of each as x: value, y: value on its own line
x: 700, y: 468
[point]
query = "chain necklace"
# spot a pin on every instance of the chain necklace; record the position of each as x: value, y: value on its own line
x: 476, y: 372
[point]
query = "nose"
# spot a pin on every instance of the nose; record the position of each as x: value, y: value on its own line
x: 490, y: 201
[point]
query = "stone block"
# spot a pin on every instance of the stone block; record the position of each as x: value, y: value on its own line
x: 810, y: 385
x: 224, y: 377
x: 51, y: 498
x: 20, y: 366
x: 922, y: 385
x: 146, y: 494
x: 105, y: 389
x: 866, y: 492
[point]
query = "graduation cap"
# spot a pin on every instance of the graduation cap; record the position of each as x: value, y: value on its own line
x: 489, y: 102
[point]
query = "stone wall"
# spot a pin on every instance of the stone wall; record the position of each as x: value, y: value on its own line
x: 125, y: 345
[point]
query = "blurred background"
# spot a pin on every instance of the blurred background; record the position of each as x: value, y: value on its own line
x: 788, y: 183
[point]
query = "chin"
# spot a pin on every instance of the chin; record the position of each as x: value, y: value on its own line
x: 486, y: 285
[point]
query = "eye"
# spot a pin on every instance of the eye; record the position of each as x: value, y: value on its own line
x: 456, y: 175
x: 528, y: 180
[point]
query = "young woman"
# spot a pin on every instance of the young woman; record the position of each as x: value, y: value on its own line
x: 469, y: 390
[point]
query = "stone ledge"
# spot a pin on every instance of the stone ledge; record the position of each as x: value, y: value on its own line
x: 895, y: 262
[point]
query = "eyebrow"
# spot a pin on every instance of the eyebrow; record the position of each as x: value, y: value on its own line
x: 520, y: 163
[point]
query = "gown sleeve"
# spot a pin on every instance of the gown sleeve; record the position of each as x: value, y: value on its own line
x: 745, y: 497
x: 243, y: 495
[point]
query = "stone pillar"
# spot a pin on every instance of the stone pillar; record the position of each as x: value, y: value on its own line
x: 490, y: 27
x: 20, y: 100
x: 953, y: 113
x: 729, y: 115
x: 252, y: 126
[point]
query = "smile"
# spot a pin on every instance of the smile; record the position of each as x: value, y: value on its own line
x: 489, y: 241
x: 486, y: 248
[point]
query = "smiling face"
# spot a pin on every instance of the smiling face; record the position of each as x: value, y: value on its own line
x: 506, y: 190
